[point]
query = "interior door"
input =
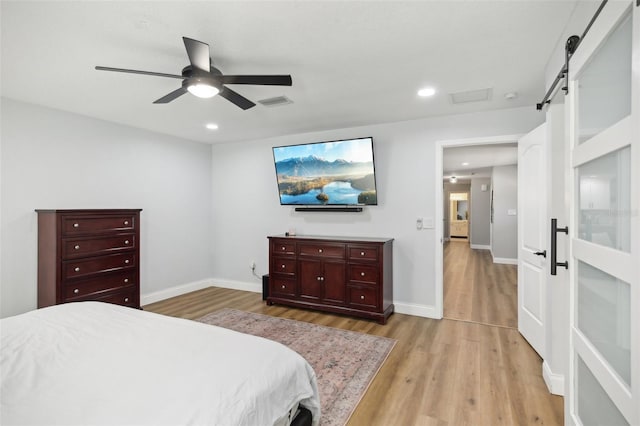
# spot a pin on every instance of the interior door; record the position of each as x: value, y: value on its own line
x: 532, y: 238
x: 604, y: 233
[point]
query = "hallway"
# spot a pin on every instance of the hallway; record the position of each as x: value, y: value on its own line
x: 476, y: 289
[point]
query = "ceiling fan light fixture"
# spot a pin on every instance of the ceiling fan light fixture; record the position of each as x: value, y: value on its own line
x: 203, y: 90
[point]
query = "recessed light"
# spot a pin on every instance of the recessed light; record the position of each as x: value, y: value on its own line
x: 465, y: 164
x: 426, y: 92
x: 212, y: 126
x: 453, y: 179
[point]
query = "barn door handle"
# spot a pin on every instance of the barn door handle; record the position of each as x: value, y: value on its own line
x: 542, y: 253
x: 554, y: 246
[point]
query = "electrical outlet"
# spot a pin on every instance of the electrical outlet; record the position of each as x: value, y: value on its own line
x: 253, y: 265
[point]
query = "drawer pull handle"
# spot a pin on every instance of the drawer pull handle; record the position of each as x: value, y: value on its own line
x: 76, y: 225
x: 284, y: 286
x: 283, y: 266
x: 321, y: 278
x: 361, y: 253
x: 126, y: 222
x: 126, y: 241
x: 361, y: 297
x: 317, y: 278
x: 126, y: 280
x: 77, y: 247
x: 284, y: 248
x: 362, y: 274
x: 126, y: 261
x: 126, y: 299
x: 77, y: 269
x: 76, y: 291
x: 319, y: 250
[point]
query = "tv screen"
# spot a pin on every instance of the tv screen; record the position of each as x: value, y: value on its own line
x: 327, y: 173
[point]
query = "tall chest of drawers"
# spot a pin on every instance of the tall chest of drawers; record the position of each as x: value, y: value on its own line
x: 89, y: 255
x: 346, y: 275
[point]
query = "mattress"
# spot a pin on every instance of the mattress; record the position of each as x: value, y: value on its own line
x: 92, y: 363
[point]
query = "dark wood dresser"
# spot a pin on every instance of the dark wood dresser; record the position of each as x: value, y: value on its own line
x: 89, y: 255
x: 352, y: 276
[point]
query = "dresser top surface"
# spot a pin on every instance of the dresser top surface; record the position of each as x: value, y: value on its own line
x: 333, y: 238
x: 87, y: 211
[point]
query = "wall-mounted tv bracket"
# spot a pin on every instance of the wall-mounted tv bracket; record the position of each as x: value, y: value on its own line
x: 569, y: 49
x: 554, y: 246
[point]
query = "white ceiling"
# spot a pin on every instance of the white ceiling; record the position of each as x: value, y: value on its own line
x: 479, y: 158
x: 352, y: 63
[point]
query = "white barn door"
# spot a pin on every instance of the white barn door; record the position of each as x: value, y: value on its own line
x: 604, y: 385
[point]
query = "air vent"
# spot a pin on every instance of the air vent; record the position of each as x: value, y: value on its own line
x: 471, y: 96
x: 277, y: 101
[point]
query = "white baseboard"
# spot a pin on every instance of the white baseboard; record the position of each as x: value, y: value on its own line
x: 255, y: 287
x: 505, y: 260
x: 427, y: 311
x: 178, y: 290
x: 554, y: 382
x: 480, y: 247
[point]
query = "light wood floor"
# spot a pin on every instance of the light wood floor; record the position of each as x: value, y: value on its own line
x: 478, y: 290
x: 441, y: 372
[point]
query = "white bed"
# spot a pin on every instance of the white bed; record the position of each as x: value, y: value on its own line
x: 92, y: 363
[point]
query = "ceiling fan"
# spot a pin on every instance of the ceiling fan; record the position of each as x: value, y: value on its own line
x: 204, y: 80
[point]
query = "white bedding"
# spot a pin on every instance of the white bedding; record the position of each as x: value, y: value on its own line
x: 92, y: 363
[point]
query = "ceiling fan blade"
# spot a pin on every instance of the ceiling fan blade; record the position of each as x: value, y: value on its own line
x: 198, y: 53
x: 171, y: 96
x: 236, y: 98
x: 158, y: 74
x: 269, y: 80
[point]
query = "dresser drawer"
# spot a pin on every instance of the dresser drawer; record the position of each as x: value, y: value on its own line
x: 280, y: 287
x: 363, y: 273
x: 127, y: 297
x: 102, y: 283
x: 363, y: 253
x: 84, y: 267
x: 83, y: 247
x: 76, y: 225
x: 363, y: 297
x: 322, y: 250
x: 283, y: 265
x: 283, y: 248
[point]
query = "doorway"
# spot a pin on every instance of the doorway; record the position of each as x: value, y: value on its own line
x: 479, y: 287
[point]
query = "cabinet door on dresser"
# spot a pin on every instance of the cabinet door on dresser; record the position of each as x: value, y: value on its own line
x: 89, y: 255
x: 322, y: 280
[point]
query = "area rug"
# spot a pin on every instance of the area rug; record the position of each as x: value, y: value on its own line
x: 345, y: 361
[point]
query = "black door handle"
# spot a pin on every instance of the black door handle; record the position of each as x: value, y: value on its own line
x: 554, y: 246
x: 542, y: 253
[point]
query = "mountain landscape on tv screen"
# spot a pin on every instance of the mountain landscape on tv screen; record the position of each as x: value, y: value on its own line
x: 314, y: 180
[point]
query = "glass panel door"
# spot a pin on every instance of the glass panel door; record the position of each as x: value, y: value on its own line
x: 603, y: 116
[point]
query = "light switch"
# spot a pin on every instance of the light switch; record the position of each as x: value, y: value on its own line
x: 419, y: 223
x: 427, y: 222
x: 511, y: 212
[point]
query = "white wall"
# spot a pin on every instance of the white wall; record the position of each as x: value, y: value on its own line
x: 53, y: 159
x: 480, y: 212
x: 504, y: 238
x: 246, y: 207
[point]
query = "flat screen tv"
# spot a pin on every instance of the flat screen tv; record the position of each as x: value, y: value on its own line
x: 328, y: 173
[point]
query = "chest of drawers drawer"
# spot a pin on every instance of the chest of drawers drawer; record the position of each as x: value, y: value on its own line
x: 83, y: 247
x: 282, y: 247
x: 335, y: 251
x: 84, y: 224
x: 99, y: 284
x: 363, y: 273
x: 363, y: 253
x: 284, y: 265
x: 96, y: 265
